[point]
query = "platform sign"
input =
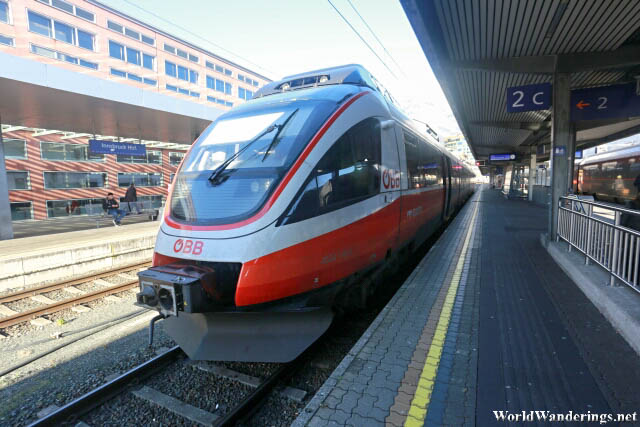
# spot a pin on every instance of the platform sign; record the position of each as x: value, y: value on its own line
x: 502, y: 157
x: 605, y: 102
x: 97, y: 146
x: 529, y: 98
x: 578, y: 154
x: 560, y: 150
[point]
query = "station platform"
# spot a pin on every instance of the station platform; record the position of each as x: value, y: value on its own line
x: 39, y: 259
x: 486, y: 327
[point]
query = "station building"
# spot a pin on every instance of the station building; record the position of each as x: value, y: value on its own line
x: 52, y: 173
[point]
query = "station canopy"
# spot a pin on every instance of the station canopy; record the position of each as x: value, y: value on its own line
x: 481, y: 50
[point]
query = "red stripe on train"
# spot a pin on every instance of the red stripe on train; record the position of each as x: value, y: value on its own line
x: 330, y: 257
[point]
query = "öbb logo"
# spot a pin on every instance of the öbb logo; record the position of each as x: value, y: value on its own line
x: 390, y: 179
x: 188, y: 246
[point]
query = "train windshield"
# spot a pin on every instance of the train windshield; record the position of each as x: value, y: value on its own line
x: 240, y: 158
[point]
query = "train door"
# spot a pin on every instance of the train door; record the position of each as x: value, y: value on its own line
x: 446, y: 178
x: 392, y: 174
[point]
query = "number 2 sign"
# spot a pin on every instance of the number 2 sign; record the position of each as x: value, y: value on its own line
x: 529, y: 98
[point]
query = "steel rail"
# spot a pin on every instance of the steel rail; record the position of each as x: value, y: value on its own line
x: 15, y: 296
x: 107, y: 391
x: 61, y: 305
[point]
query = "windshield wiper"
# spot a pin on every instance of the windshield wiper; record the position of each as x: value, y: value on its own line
x: 274, y: 142
x: 218, y: 171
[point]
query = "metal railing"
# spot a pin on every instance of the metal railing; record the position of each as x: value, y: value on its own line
x: 597, y: 230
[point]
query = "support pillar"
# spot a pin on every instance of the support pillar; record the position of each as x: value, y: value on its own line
x: 571, y: 153
x: 561, y: 135
x: 532, y: 175
x: 6, y: 226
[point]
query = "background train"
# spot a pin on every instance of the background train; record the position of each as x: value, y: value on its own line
x: 611, y: 176
x: 288, y: 205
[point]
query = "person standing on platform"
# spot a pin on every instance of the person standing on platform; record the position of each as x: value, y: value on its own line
x: 131, y: 196
x: 112, y: 207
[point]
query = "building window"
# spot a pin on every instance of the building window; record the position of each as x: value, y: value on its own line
x: 183, y: 91
x: 4, y: 12
x: 114, y: 26
x: 14, y: 148
x: 193, y: 76
x: 53, y: 54
x: 153, y: 157
x: 21, y: 211
x: 149, y: 82
x: 70, y: 8
x: 193, y: 58
x: 67, y: 180
x: 219, y: 86
x: 194, y: 94
x: 147, y: 61
x: 68, y: 152
x: 228, y: 104
x: 172, y: 88
x: 62, y: 208
x: 18, y: 180
x: 241, y: 93
x: 6, y: 40
x: 228, y: 72
x: 227, y: 88
x: 175, y: 158
x: 209, y: 65
x: 116, y: 50
x: 169, y: 48
x: 240, y: 77
x: 118, y: 73
x: 219, y: 69
x: 39, y: 24
x: 134, y: 77
x: 133, y: 56
x: 170, y: 69
x: 153, y: 179
x: 60, y: 31
x: 182, y: 54
x: 171, y: 177
x: 147, y: 202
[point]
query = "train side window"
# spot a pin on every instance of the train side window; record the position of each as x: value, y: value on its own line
x: 429, y: 168
x: 412, y: 154
x: 348, y: 173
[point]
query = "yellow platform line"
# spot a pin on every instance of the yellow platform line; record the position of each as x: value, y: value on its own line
x: 420, y: 402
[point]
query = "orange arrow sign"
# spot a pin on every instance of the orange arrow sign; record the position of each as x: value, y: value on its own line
x: 582, y: 104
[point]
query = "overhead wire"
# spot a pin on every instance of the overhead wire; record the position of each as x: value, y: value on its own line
x: 361, y: 38
x: 376, y: 37
x: 172, y: 23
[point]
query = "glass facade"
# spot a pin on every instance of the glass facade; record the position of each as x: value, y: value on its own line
x: 18, y: 180
x: 70, y: 207
x: 68, y: 180
x: 21, y: 211
x: 153, y: 157
x: 60, y: 31
x: 14, y: 148
x: 151, y: 179
x: 68, y: 152
x: 4, y: 11
x: 175, y: 158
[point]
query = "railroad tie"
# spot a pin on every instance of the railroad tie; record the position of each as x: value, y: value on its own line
x: 42, y: 299
x: 176, y: 406
x: 127, y: 276
x: 101, y: 282
x: 292, y: 393
x: 6, y: 311
x: 73, y: 290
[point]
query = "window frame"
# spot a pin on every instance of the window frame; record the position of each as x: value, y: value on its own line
x: 30, y: 202
x: 24, y: 144
x: 74, y: 7
x: 182, y: 153
x: 104, y: 158
x: 28, y: 180
x: 160, y: 174
x: 52, y: 30
x: 105, y: 182
x: 141, y: 35
x: 9, y: 14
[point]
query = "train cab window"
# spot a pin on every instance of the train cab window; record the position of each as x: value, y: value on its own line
x: 348, y: 173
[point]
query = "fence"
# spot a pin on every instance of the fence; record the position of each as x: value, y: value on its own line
x: 597, y: 230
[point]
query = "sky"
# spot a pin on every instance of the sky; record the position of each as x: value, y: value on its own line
x: 282, y: 37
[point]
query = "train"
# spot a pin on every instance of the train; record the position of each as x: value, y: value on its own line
x: 287, y: 207
x: 610, y: 176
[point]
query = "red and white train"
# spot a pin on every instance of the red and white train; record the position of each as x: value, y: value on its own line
x: 285, y: 205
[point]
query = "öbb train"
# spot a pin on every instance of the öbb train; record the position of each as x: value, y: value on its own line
x: 610, y: 176
x: 284, y: 206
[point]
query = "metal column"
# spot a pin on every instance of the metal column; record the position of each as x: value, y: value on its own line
x: 571, y: 156
x: 532, y: 175
x: 561, y: 136
x: 6, y: 227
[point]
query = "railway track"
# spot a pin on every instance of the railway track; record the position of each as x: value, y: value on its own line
x: 72, y: 411
x: 11, y: 319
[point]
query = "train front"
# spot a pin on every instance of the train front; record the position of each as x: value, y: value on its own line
x: 221, y: 217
